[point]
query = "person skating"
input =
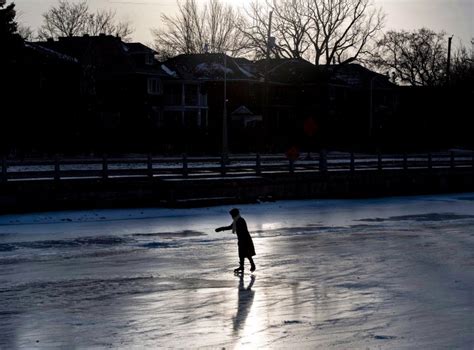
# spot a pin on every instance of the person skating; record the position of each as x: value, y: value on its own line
x: 245, y: 243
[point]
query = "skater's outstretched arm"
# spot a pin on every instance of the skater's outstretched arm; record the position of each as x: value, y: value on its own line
x: 224, y: 228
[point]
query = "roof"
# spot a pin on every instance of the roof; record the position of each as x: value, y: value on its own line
x: 105, y: 52
x: 209, y: 66
x: 139, y: 48
x: 357, y: 76
x: 291, y: 70
x: 242, y: 110
x: 214, y: 66
x: 48, y: 54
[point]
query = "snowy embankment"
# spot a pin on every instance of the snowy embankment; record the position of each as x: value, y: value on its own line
x: 382, y: 273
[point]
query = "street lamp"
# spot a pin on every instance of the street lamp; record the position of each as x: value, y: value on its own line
x: 224, y: 114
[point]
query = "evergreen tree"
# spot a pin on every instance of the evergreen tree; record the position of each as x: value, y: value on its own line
x: 10, y: 40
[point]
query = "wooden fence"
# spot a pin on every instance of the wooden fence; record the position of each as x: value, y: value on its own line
x: 201, y: 167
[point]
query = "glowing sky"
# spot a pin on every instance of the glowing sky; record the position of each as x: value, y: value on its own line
x: 453, y: 16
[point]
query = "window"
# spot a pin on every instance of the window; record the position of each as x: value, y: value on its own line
x: 173, y: 94
x: 203, y: 99
x: 191, y: 95
x: 173, y: 119
x: 154, y: 86
x: 157, y: 116
x: 332, y: 93
x: 191, y: 119
x: 110, y: 120
x: 252, y: 90
x: 203, y: 121
x: 149, y: 60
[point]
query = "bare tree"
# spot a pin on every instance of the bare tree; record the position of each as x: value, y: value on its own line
x: 322, y: 31
x: 342, y: 29
x: 416, y: 58
x: 104, y: 22
x: 26, y: 32
x: 75, y: 19
x: 462, y: 73
x: 290, y: 27
x: 213, y: 27
x: 256, y: 29
x: 292, y: 23
x: 221, y: 28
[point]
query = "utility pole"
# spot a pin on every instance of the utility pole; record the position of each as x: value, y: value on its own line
x: 472, y: 52
x: 265, y: 81
x: 448, y: 64
x: 371, y: 106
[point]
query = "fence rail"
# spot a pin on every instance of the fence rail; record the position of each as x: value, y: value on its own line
x: 201, y: 167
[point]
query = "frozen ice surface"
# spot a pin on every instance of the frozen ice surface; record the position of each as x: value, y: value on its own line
x: 393, y: 273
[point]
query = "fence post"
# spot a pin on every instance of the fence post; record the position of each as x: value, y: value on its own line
x: 105, y: 171
x: 452, y: 160
x: 379, y: 161
x: 430, y: 161
x: 185, y: 165
x: 258, y: 169
x: 322, y: 161
x: 5, y: 167
x: 223, y: 169
x: 352, y: 164
x: 57, y: 168
x: 150, y: 165
x: 291, y: 166
x: 405, y: 161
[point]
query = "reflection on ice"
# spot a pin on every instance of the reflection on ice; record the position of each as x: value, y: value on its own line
x: 245, y: 299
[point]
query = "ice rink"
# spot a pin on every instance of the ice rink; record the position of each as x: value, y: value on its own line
x: 392, y: 273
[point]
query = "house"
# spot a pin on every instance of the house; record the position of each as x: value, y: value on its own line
x: 108, y: 95
x: 185, y: 111
x: 362, y: 105
x: 268, y: 102
x: 40, y: 85
x: 201, y: 80
x: 122, y: 84
x: 297, y: 91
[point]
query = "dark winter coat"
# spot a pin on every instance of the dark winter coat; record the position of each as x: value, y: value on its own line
x: 246, y: 247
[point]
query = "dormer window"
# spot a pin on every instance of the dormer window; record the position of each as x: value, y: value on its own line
x: 154, y: 86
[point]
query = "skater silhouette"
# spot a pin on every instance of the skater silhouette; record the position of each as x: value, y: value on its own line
x: 246, y: 247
